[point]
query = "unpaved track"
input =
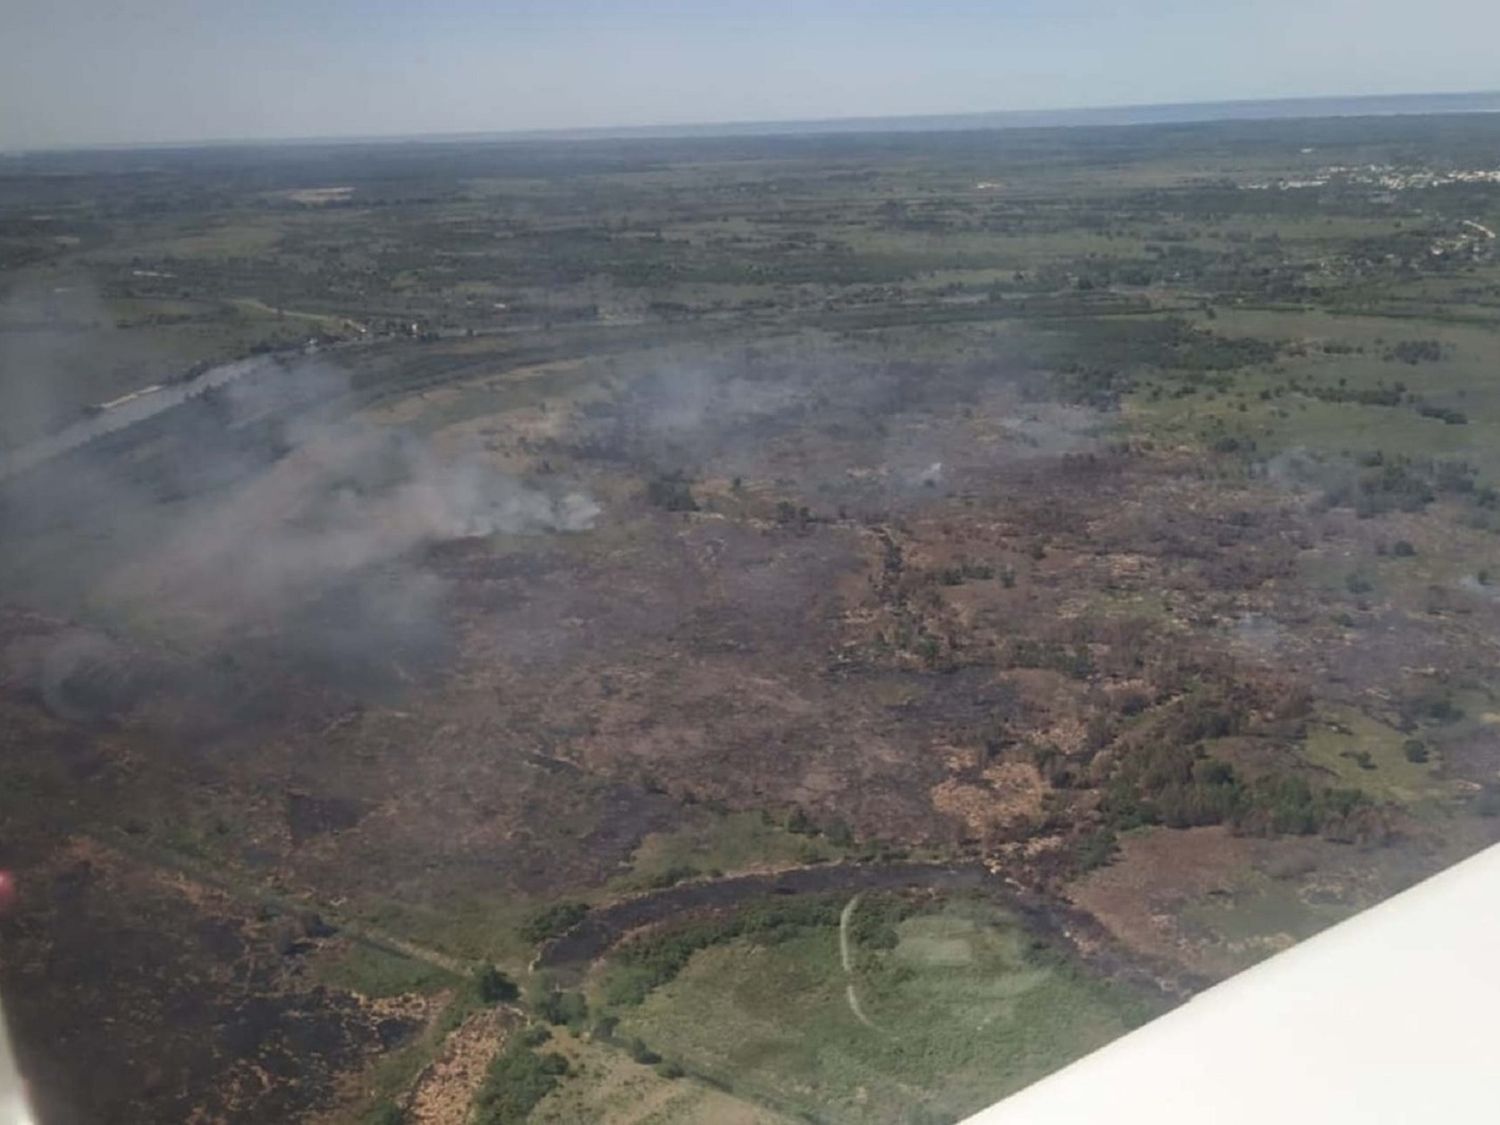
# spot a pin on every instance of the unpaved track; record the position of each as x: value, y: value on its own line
x: 844, y: 955
x: 847, y: 957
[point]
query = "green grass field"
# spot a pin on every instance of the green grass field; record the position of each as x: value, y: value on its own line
x: 374, y: 973
x: 1261, y: 916
x: 962, y: 1011
x: 723, y: 842
x: 1367, y: 755
x: 482, y: 927
x: 607, y: 1085
x: 1463, y: 379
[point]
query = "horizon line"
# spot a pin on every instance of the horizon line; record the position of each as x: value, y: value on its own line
x: 976, y: 120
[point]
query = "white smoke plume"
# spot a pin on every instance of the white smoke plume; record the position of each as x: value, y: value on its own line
x: 262, y: 509
x: 347, y: 499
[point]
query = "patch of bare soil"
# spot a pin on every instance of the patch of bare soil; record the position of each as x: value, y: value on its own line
x: 445, y: 1090
x: 1161, y: 875
x: 1137, y: 897
x: 1007, y: 799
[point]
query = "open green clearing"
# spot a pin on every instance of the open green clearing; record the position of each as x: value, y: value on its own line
x: 724, y: 843
x: 478, y: 927
x: 965, y: 1007
x: 377, y: 973
x: 1258, y: 916
x: 1369, y: 755
x: 606, y: 1084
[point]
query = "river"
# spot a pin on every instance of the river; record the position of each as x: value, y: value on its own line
x: 128, y: 410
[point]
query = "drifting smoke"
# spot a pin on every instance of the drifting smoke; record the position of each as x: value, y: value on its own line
x: 837, y: 421
x: 258, y: 517
x: 931, y: 476
x: 347, y: 499
x: 48, y: 330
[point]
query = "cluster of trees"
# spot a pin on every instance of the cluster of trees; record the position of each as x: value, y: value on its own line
x: 789, y: 514
x: 552, y: 921
x: 1173, y: 342
x: 1399, y: 483
x: 1184, y: 787
x: 1166, y: 774
x: 835, y: 831
x: 671, y: 491
x: 494, y: 987
x: 1435, y: 707
x: 1414, y: 352
x: 517, y: 1079
x: 1169, y: 784
x: 1382, y: 395
x: 1258, y: 267
x: 1095, y: 848
x: 963, y: 572
x: 1096, y: 362
x: 1378, y: 395
x: 1442, y: 413
x: 1096, y: 385
x: 636, y: 1048
x: 1074, y: 660
x: 569, y: 1009
x: 652, y: 959
x: 1288, y: 804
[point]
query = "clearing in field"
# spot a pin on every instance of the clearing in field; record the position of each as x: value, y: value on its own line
x: 963, y: 1006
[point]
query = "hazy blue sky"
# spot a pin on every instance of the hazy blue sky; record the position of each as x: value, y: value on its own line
x: 83, y: 71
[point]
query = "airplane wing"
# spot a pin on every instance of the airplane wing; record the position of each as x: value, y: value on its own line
x: 1388, y: 1017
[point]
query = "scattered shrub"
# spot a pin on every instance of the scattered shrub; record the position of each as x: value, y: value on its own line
x: 1415, y: 351
x: 671, y: 491
x: 838, y: 834
x: 517, y: 1080
x: 494, y: 987
x: 642, y: 1053
x: 1444, y: 414
x: 563, y: 1008
x: 556, y: 919
x: 1095, y: 849
x: 672, y: 876
x: 799, y: 822
x: 535, y: 1035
